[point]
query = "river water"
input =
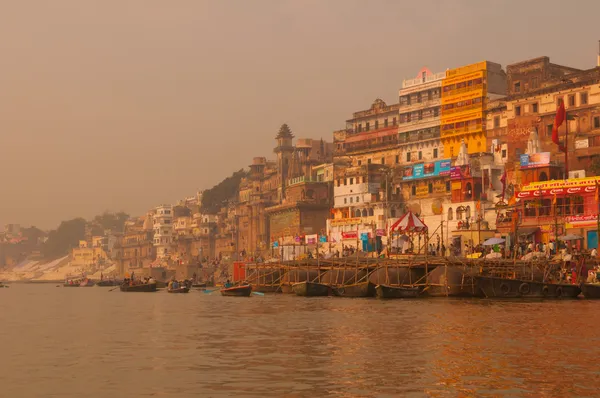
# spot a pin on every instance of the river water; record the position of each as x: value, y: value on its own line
x: 91, y: 342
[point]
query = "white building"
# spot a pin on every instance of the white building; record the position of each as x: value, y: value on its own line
x: 163, y: 230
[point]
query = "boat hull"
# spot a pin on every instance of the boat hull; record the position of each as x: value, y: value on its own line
x: 311, y: 289
x: 237, y: 291
x: 363, y: 289
x: 396, y: 292
x: 71, y: 285
x: 87, y: 283
x: 286, y: 288
x: 179, y: 290
x: 145, y: 288
x: 590, y: 291
x: 493, y: 287
x: 108, y: 283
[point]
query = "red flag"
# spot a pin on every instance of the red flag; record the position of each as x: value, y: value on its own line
x: 503, y: 181
x: 560, y: 118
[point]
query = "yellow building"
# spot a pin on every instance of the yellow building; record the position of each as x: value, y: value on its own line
x: 465, y: 92
x: 86, y: 255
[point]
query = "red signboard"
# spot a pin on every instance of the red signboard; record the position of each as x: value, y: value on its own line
x: 556, y: 191
x: 350, y: 235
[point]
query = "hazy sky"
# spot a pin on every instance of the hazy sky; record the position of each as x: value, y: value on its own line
x: 123, y: 105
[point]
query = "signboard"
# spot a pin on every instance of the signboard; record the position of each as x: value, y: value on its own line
x: 422, y: 191
x: 456, y: 185
x: 424, y: 170
x: 535, y: 160
x: 451, y: 96
x: 582, y: 144
x: 439, y: 187
x: 323, y: 238
x: 581, y: 221
x: 344, y: 221
x: 349, y: 235
x: 459, y: 172
x: 555, y: 191
x: 555, y: 184
x: 311, y: 239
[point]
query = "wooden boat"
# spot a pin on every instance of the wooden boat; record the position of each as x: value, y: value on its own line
x: 161, y: 284
x: 361, y: 289
x: 87, y: 283
x: 199, y: 285
x: 494, y: 287
x: 179, y: 290
x: 145, y: 288
x: 286, y: 288
x: 237, y: 291
x: 590, y: 290
x: 108, y: 283
x: 74, y: 284
x: 311, y: 289
x: 396, y: 292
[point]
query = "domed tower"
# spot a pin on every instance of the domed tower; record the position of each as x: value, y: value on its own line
x: 284, y: 151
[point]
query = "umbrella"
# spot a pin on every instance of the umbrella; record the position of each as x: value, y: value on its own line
x: 493, y: 241
x: 568, y: 237
x: 409, y: 222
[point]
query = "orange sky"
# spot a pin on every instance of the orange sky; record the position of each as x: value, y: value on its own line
x: 123, y: 104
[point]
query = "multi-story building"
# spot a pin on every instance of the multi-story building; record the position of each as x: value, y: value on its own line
x: 465, y: 92
x: 163, y: 231
x: 134, y: 251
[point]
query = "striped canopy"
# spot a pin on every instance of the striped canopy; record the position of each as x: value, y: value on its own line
x: 409, y: 223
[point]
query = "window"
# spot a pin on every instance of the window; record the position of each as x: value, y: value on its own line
x: 345, y: 181
x: 359, y: 162
x: 351, y: 181
x: 435, y: 152
x: 429, y: 95
x: 549, y: 130
x: 368, y: 161
x: 376, y: 124
x: 408, y: 156
x: 597, y: 122
x: 448, y: 186
x: 517, y: 87
x: 558, y: 101
x: 382, y: 160
x: 583, y: 99
x: 367, y: 126
x: 408, y: 117
x: 534, y: 82
x: 503, y: 153
x: 351, y: 199
x: 397, y: 159
x: 468, y: 212
x: 364, y: 212
x: 394, y: 121
x: 357, y: 199
x: 371, y: 212
x: 518, y: 110
x: 420, y: 115
x: 496, y: 122
x: 430, y: 188
x: 534, y: 108
x: 450, y: 214
x: 571, y: 100
x: 345, y: 201
x: 420, y: 155
x: 413, y: 190
x: 385, y: 122
x: 419, y: 98
x: 357, y: 214
x: 359, y: 128
x: 436, y: 112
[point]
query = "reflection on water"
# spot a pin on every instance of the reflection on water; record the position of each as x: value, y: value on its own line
x: 92, y: 342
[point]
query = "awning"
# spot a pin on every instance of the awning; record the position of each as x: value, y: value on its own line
x: 527, y: 231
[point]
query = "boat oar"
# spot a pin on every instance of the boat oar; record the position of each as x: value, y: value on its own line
x: 210, y: 291
x: 110, y: 290
x: 258, y: 293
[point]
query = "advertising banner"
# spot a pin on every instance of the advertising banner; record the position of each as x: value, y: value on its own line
x: 559, y: 184
x: 424, y: 170
x: 535, y: 160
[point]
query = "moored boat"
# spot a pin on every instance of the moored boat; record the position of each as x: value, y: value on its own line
x: 142, y: 288
x: 237, y: 291
x: 311, y: 289
x: 179, y: 290
x: 361, y: 289
x: 199, y: 285
x: 87, y: 283
x: 396, y: 292
x: 108, y: 283
x: 72, y: 284
x: 494, y: 287
x: 591, y: 290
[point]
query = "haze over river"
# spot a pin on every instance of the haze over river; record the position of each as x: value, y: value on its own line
x: 89, y: 342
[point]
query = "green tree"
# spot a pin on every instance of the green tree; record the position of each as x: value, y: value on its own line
x: 113, y: 221
x: 64, y: 238
x: 216, y: 197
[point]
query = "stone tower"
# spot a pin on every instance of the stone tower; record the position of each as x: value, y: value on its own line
x: 284, y: 151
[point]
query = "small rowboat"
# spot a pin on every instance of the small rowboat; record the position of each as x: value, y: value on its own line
x: 179, y: 290
x: 86, y: 283
x: 143, y: 288
x: 237, y: 291
x: 311, y: 289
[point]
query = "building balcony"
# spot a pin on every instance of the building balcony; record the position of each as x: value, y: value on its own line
x: 415, y: 106
x: 413, y: 122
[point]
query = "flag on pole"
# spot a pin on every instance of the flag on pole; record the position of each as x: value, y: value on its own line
x: 558, y: 121
x: 554, y: 200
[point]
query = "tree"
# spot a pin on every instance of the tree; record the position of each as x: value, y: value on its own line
x: 64, y: 238
x: 216, y: 197
x: 113, y: 221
